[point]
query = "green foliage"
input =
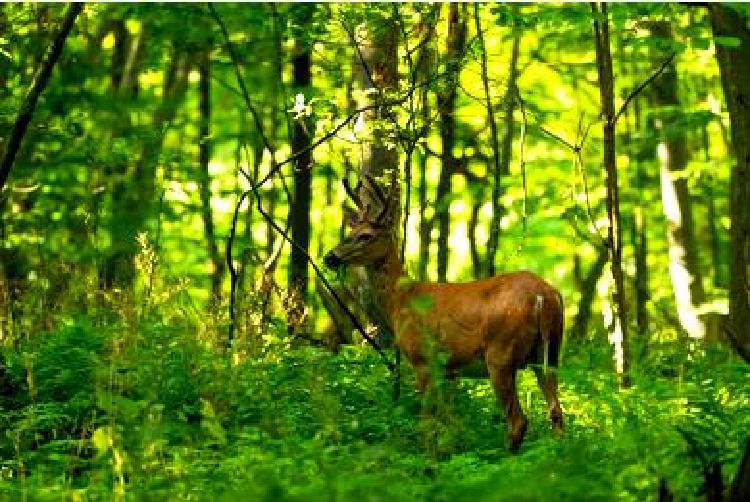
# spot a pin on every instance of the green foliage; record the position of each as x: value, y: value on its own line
x: 116, y: 383
x: 148, y: 409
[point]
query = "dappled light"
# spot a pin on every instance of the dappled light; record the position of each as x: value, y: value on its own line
x: 374, y: 251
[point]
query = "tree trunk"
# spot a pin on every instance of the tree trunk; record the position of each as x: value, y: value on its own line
x: 640, y: 246
x: 501, y: 152
x: 39, y: 82
x: 740, y: 490
x: 614, y: 237
x: 217, y: 263
x: 425, y: 224
x: 132, y: 208
x: 380, y: 74
x: 300, y: 210
x: 684, y: 263
x: 588, y: 292
x: 717, y: 255
x: 446, y: 103
x: 735, y: 79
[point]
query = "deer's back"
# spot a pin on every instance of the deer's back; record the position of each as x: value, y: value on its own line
x: 466, y: 318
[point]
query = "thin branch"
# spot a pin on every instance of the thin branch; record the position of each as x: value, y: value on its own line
x: 38, y: 84
x: 285, y: 235
x: 255, y: 186
x: 634, y: 93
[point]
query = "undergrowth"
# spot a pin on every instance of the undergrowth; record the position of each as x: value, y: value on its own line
x: 123, y: 402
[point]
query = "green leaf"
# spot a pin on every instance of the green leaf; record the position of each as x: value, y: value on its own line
x: 731, y: 42
x: 422, y: 303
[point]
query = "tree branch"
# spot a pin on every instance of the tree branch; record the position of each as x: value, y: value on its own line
x: 635, y: 92
x: 38, y: 84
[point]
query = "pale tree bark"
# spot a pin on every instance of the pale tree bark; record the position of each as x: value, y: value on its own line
x: 379, y: 48
x: 619, y: 337
x: 377, y: 63
x: 38, y: 84
x: 684, y: 262
x: 446, y: 103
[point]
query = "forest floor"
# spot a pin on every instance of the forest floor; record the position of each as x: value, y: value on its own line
x: 150, y: 411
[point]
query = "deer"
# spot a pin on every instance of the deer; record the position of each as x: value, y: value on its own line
x: 502, y: 323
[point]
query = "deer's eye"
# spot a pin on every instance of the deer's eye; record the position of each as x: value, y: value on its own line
x: 363, y: 237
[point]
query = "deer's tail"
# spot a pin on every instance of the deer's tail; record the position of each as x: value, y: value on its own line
x: 550, y: 325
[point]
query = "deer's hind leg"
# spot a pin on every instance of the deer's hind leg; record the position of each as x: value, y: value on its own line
x: 548, y: 384
x: 503, y: 377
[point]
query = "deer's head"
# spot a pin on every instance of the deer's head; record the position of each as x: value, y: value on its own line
x: 370, y: 238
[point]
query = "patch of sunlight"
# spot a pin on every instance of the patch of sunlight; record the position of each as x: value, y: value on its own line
x: 194, y: 77
x: 507, y: 220
x: 714, y: 104
x: 150, y: 78
x: 215, y: 168
x: 458, y: 208
x: 601, y: 222
x: 560, y: 270
x: 486, y: 210
x: 108, y: 41
x: 175, y: 192
x: 717, y: 306
x: 481, y: 233
x: 459, y: 246
x: 133, y: 26
x: 725, y: 222
x: 240, y: 36
x: 506, y: 200
x: 222, y: 205
x: 562, y: 95
x: 623, y: 161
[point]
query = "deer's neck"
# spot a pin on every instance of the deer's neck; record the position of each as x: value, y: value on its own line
x: 385, y: 279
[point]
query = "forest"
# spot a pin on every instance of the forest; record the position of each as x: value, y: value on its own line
x: 375, y: 251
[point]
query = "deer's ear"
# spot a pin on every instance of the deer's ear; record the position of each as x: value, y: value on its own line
x: 351, y: 216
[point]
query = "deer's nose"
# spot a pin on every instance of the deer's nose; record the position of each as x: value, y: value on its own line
x: 332, y: 261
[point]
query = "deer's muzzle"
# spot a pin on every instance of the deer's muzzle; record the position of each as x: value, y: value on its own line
x: 332, y: 261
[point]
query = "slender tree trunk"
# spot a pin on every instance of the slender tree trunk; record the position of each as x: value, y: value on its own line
x: 640, y: 245
x: 588, y: 292
x: 606, y: 89
x: 132, y: 208
x: 684, y: 263
x: 471, y: 230
x: 379, y: 48
x: 501, y: 152
x: 446, y: 103
x: 735, y: 79
x: 300, y: 210
x: 38, y: 84
x: 425, y: 224
x: 424, y: 68
x: 717, y: 257
x: 217, y: 263
x: 4, y: 62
